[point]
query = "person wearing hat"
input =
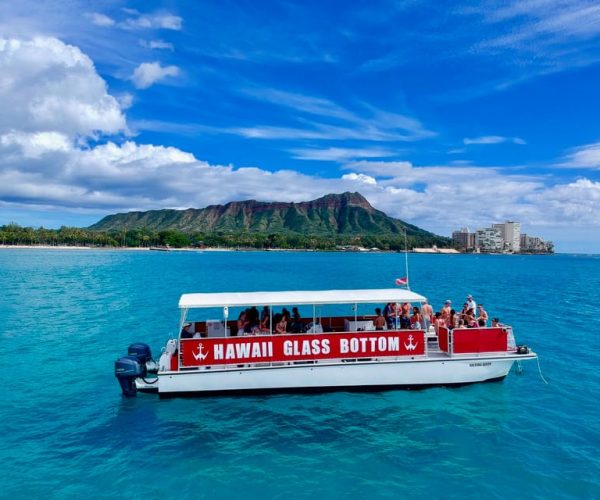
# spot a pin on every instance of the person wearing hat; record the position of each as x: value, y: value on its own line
x: 472, y: 305
x: 187, y: 331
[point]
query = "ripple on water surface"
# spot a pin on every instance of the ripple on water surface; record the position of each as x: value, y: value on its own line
x: 67, y: 315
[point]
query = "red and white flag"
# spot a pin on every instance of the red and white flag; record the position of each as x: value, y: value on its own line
x: 401, y: 281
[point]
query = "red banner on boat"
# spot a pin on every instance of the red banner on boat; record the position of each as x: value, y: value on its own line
x: 474, y: 340
x: 281, y: 348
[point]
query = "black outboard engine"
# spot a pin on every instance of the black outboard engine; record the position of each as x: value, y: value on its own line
x: 127, y: 369
x: 132, y: 366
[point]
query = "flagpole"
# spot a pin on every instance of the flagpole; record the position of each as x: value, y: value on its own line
x: 406, y: 260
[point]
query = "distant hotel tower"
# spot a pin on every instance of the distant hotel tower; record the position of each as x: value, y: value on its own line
x: 504, y: 237
x: 511, y: 235
x: 463, y: 239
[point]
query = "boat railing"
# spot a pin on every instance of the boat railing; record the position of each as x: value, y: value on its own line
x: 476, y: 341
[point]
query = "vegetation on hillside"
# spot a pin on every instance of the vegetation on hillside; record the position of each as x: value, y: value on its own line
x: 13, y: 234
x: 333, y: 214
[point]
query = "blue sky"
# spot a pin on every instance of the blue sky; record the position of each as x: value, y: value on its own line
x: 442, y: 114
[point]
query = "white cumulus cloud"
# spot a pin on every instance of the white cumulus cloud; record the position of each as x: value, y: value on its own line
x: 362, y: 178
x: 47, y: 85
x: 147, y: 74
x: 36, y: 144
x: 445, y: 197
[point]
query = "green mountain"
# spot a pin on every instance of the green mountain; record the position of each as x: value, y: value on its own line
x: 347, y: 214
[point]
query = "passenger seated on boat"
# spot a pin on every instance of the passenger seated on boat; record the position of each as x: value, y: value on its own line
x: 379, y: 322
x: 265, y: 314
x: 296, y: 323
x: 281, y: 325
x: 314, y: 327
x: 252, y: 329
x: 265, y: 324
x: 187, y: 331
x: 496, y: 322
x: 461, y: 323
x: 416, y: 320
x: 242, y: 322
x: 253, y: 320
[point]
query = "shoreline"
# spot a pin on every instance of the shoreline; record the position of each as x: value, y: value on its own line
x: 427, y: 251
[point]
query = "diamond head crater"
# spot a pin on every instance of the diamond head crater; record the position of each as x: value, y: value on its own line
x: 332, y: 222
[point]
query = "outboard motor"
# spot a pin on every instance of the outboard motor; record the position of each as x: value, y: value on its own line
x: 127, y: 369
x: 137, y: 364
x: 141, y: 351
x: 144, y: 355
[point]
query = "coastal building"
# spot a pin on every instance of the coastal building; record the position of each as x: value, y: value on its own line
x: 535, y: 244
x: 489, y: 239
x: 511, y: 235
x: 529, y: 242
x: 500, y: 237
x: 464, y: 239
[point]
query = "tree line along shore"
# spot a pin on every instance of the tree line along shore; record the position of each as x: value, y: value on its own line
x: 16, y: 235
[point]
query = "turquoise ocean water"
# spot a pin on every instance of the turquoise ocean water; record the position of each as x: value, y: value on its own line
x: 65, y: 316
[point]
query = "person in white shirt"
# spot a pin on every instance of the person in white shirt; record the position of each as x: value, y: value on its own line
x: 472, y: 305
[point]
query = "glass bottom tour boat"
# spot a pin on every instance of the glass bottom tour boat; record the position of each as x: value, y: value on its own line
x: 332, y: 351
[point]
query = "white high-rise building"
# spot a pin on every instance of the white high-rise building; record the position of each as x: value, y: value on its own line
x: 489, y: 239
x: 511, y: 235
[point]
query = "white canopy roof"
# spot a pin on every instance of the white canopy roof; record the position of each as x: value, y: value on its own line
x: 288, y: 298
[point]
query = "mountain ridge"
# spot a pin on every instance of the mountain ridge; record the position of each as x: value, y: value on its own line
x: 333, y: 214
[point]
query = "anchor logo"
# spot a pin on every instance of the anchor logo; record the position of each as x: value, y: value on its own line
x: 410, y: 346
x: 200, y: 355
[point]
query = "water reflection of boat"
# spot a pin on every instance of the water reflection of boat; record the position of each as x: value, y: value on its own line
x: 335, y: 352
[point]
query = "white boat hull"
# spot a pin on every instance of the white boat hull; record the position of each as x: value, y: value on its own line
x: 339, y: 376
